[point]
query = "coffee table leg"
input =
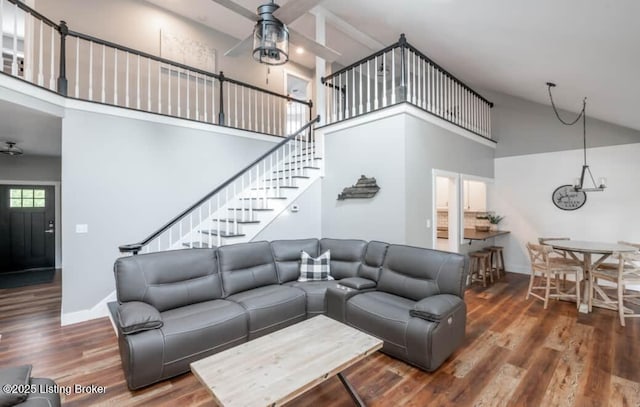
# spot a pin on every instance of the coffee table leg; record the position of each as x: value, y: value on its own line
x: 351, y: 390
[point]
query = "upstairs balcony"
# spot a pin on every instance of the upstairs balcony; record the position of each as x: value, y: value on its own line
x: 398, y: 74
x: 53, y: 56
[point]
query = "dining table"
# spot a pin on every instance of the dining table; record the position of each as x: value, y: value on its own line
x: 593, y: 255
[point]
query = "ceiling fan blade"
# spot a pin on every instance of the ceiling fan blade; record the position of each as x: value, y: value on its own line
x: 313, y: 47
x: 238, y: 9
x: 241, y: 48
x: 293, y: 10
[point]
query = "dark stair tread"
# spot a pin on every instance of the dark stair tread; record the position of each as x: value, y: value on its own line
x: 302, y: 161
x: 293, y: 176
x: 198, y: 245
x: 253, y: 209
x: 214, y: 232
x: 238, y: 221
x: 280, y: 186
x: 293, y: 169
x: 269, y: 197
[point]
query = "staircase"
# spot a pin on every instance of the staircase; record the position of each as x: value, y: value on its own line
x: 247, y: 203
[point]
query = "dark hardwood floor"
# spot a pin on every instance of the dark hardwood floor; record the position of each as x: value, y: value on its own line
x: 515, y: 353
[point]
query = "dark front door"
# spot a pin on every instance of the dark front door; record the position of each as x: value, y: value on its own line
x: 27, y: 221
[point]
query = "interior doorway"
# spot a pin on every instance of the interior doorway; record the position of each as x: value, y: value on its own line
x: 27, y: 227
x: 446, y: 219
x: 297, y: 87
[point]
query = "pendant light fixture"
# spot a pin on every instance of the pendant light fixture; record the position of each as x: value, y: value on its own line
x: 270, y: 37
x: 11, y: 149
x: 586, y: 182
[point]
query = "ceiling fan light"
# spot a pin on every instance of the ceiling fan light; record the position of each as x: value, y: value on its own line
x: 270, y: 37
x: 11, y: 149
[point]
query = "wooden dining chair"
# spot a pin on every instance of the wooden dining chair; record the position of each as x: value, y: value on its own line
x: 627, y: 272
x: 549, y: 269
x: 556, y: 252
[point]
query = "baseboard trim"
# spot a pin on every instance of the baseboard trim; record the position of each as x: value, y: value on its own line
x: 99, y: 310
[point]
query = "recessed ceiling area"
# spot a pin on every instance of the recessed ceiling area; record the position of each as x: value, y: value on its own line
x: 36, y: 133
x: 588, y: 47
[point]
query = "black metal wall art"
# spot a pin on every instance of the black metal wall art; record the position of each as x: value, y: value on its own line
x: 364, y: 188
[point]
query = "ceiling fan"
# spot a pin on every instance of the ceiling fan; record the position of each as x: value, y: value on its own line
x: 272, y: 21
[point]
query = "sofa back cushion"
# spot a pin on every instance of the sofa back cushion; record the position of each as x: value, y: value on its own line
x: 374, y: 255
x: 346, y: 256
x: 286, y: 254
x: 417, y: 273
x: 244, y: 266
x: 170, y: 279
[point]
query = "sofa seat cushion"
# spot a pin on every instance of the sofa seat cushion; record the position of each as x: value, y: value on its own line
x: 383, y: 315
x: 197, y: 330
x: 271, y: 307
x: 316, y: 292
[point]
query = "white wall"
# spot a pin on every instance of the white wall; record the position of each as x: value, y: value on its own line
x: 523, y: 188
x: 375, y: 149
x: 124, y: 177
x: 400, y: 147
x: 524, y: 127
x: 29, y: 168
x: 430, y: 146
x: 305, y: 223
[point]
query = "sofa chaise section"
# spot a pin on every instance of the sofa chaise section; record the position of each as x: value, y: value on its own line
x: 171, y: 313
x: 417, y: 306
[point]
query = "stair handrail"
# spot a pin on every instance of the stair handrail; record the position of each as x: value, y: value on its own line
x: 134, y: 248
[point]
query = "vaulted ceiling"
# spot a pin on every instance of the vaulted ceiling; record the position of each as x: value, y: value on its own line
x: 588, y: 47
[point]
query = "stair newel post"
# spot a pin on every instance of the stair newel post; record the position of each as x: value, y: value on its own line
x: 276, y: 172
x: 250, y: 194
x: 403, y: 67
x: 221, y: 106
x: 264, y: 183
x: 235, y: 209
x: 242, y: 211
x: 220, y: 214
x: 226, y: 199
x: 208, y: 220
x: 63, y: 29
x: 191, y: 230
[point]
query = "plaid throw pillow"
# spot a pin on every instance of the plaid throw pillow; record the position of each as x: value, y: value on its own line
x: 315, y: 269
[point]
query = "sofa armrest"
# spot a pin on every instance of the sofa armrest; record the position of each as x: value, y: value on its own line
x: 137, y: 316
x: 436, y: 308
x: 337, y: 298
x: 358, y: 283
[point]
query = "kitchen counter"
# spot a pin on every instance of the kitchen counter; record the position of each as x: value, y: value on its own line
x: 472, y: 234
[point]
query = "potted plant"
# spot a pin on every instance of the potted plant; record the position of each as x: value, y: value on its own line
x: 494, y: 220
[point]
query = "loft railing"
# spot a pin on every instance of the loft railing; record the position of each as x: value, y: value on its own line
x: 401, y: 73
x: 249, y: 190
x: 73, y: 64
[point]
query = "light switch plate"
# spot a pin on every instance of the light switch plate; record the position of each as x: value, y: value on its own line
x: 428, y: 223
x: 82, y: 228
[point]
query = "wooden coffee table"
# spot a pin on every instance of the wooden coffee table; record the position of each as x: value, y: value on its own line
x: 276, y: 368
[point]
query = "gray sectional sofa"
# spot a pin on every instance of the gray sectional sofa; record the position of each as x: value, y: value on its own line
x: 179, y: 306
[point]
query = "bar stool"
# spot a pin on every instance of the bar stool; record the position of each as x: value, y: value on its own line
x: 496, y: 261
x: 479, y: 267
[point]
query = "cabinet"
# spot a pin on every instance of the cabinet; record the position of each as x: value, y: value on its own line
x: 475, y: 196
x: 442, y: 192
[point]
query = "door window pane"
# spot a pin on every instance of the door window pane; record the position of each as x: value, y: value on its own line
x: 27, y: 198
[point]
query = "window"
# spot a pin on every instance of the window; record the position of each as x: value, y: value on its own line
x: 27, y: 198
